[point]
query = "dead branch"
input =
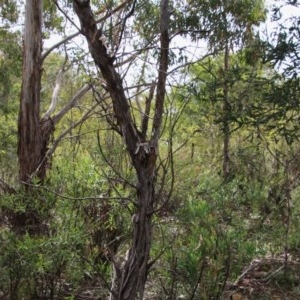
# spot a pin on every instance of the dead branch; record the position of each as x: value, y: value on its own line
x: 72, y: 102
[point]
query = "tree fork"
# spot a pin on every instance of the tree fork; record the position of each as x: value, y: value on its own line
x: 134, y: 270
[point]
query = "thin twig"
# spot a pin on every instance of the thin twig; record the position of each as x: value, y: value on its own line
x: 274, y: 273
x: 75, y: 198
x: 70, y: 37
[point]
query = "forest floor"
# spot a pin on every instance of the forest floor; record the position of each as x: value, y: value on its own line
x: 268, y: 279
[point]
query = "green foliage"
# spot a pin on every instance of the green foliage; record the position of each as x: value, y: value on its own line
x: 53, y: 22
x: 9, y: 11
x: 205, y: 231
x: 53, y: 262
x: 40, y: 266
x: 10, y: 67
x: 222, y: 21
x: 210, y: 239
x: 283, y: 48
x: 10, y: 71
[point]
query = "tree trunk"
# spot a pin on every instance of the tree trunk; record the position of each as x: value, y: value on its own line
x: 135, y: 268
x: 30, y: 136
x: 34, y: 134
x: 130, y: 277
x: 226, y: 116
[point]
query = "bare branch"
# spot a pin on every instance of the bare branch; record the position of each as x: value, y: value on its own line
x: 190, y: 63
x: 111, y: 12
x: 75, y: 198
x: 124, y: 25
x: 162, y: 75
x: 70, y: 37
x: 113, y: 80
x: 72, y: 102
x: 145, y: 120
x: 129, y: 59
x: 56, y: 89
x: 62, y: 135
x: 65, y: 14
x: 63, y: 41
x: 111, y: 165
x: 55, y: 94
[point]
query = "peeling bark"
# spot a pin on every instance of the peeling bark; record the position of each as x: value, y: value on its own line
x: 35, y: 132
x: 30, y: 136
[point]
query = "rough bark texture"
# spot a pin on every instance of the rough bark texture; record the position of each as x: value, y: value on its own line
x: 130, y: 277
x: 30, y: 136
x: 34, y: 131
x: 33, y: 135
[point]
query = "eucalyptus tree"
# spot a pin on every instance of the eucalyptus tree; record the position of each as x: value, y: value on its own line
x: 34, y: 129
x: 279, y: 54
x: 282, y: 50
x: 227, y: 26
x: 278, y: 114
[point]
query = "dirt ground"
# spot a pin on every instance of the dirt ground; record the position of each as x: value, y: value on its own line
x: 268, y: 279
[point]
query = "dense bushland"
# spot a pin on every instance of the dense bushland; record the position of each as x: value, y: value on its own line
x: 198, y: 164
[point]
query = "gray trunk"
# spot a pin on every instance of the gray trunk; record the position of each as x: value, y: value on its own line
x: 30, y: 137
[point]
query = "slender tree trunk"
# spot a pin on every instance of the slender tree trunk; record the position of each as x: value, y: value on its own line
x: 135, y: 269
x: 130, y: 277
x: 226, y: 113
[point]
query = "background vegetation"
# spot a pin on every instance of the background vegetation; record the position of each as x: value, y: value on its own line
x: 226, y: 210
